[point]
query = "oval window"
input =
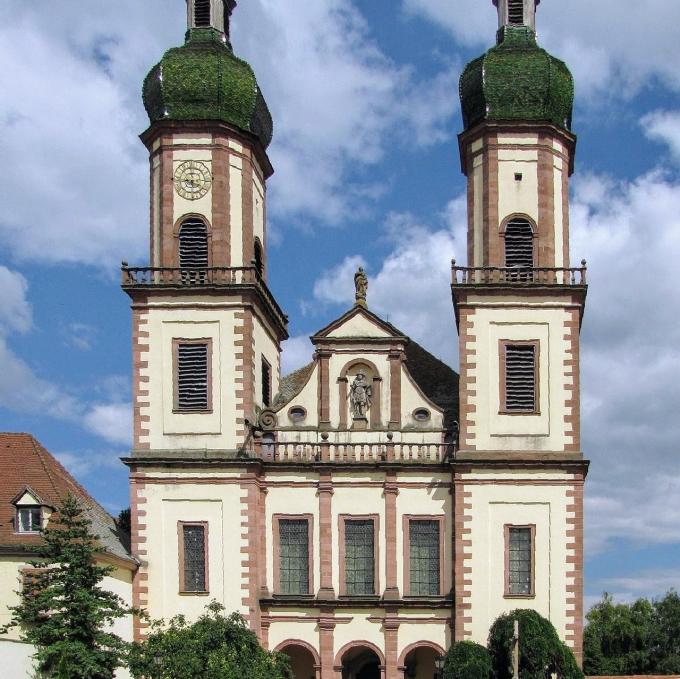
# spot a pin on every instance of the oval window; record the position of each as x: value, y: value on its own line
x: 421, y: 415
x: 297, y: 413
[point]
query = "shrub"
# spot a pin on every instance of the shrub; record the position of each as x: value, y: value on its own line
x: 468, y: 660
x: 541, y: 652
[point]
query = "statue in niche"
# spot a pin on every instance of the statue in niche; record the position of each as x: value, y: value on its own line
x: 361, y: 285
x: 360, y: 396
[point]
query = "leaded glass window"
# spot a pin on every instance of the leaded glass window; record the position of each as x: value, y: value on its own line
x: 424, y: 559
x: 193, y: 536
x: 519, y: 561
x: 359, y: 557
x: 294, y: 556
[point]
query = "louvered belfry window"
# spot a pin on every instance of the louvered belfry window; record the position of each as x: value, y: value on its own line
x: 520, y: 568
x: 266, y: 384
x: 201, y: 13
x: 194, y: 558
x: 424, y: 558
x: 516, y: 12
x: 521, y: 377
x: 192, y: 375
x: 359, y: 557
x: 519, y: 244
x: 193, y: 245
x: 294, y: 556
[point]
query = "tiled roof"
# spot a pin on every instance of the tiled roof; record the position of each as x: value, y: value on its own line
x: 291, y: 385
x: 24, y: 463
x: 436, y: 380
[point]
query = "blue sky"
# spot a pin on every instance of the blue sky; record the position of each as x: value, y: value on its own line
x: 364, y: 97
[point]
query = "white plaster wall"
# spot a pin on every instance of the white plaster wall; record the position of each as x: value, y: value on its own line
x: 412, y: 399
x: 494, y: 506
x: 360, y: 629
x: 517, y: 196
x: 286, y: 630
x: 236, y: 207
x: 220, y: 505
x: 359, y: 326
x: 478, y: 206
x: 265, y: 347
x: 168, y: 430
x: 308, y: 398
x: 493, y: 430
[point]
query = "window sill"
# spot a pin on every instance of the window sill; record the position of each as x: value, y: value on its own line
x: 515, y: 413
x: 175, y: 411
x: 194, y: 593
x: 519, y: 596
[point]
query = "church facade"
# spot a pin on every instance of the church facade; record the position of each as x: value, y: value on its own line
x: 373, y: 507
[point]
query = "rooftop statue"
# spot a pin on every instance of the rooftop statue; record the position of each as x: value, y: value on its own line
x: 361, y: 285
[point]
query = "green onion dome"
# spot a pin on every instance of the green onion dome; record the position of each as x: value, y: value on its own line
x: 517, y: 80
x: 203, y: 80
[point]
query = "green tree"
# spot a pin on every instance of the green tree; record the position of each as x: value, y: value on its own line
x: 64, y: 612
x: 468, y: 660
x: 642, y: 637
x: 214, y: 647
x: 541, y: 652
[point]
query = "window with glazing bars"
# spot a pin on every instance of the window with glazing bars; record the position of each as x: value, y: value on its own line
x: 266, y: 384
x: 520, y: 568
x: 29, y: 519
x: 193, y: 245
x: 516, y: 12
x: 519, y: 245
x: 359, y: 557
x: 202, y: 13
x: 192, y: 375
x: 294, y: 556
x: 424, y: 559
x: 194, y: 561
x: 520, y: 378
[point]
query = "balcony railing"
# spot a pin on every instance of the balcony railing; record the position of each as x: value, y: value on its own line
x: 292, y: 452
x: 188, y: 278
x: 498, y: 275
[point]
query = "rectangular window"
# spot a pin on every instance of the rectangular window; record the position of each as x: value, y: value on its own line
x: 519, y: 377
x: 266, y: 383
x: 519, y: 548
x: 193, y: 379
x: 360, y: 562
x: 294, y: 556
x: 193, y: 558
x: 424, y: 557
x: 29, y: 520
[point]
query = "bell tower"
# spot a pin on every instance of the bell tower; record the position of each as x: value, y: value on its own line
x: 207, y: 331
x: 519, y: 305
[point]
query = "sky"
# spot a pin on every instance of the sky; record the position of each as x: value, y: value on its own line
x: 365, y: 104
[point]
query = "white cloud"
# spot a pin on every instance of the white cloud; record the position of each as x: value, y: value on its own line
x: 15, y: 311
x: 297, y: 352
x: 650, y: 583
x: 664, y: 127
x: 82, y: 464
x: 112, y: 421
x: 612, y: 50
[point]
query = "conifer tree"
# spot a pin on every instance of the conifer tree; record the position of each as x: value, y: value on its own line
x: 64, y: 610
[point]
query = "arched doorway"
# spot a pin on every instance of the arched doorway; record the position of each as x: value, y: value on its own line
x: 304, y: 660
x: 418, y: 661
x: 361, y: 662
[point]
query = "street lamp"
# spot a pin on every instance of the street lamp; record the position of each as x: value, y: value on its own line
x: 439, y: 667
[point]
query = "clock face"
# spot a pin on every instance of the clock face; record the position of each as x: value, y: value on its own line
x: 193, y: 179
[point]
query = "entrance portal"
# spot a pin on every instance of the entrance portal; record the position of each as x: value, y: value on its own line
x: 420, y: 663
x: 361, y: 663
x: 302, y: 661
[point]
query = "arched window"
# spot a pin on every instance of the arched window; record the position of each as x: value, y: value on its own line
x: 519, y: 244
x: 259, y: 264
x: 516, y: 12
x: 193, y: 244
x: 201, y: 13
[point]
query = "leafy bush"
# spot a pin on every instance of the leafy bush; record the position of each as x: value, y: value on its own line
x: 541, y: 652
x: 214, y: 647
x: 468, y: 660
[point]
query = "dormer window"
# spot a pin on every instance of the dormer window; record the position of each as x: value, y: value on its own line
x: 29, y: 519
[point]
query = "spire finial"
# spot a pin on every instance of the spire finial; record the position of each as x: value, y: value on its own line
x: 361, y: 285
x: 517, y: 13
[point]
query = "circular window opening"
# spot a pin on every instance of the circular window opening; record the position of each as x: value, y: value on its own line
x: 297, y: 414
x: 421, y: 415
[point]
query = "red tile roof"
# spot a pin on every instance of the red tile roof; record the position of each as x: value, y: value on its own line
x: 25, y: 464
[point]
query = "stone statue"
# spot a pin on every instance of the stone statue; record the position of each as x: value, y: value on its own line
x: 361, y: 285
x: 360, y: 396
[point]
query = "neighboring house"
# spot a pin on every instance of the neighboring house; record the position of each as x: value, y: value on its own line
x: 33, y: 484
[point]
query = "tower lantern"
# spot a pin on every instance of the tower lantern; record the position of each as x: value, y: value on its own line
x: 517, y: 13
x: 210, y: 14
